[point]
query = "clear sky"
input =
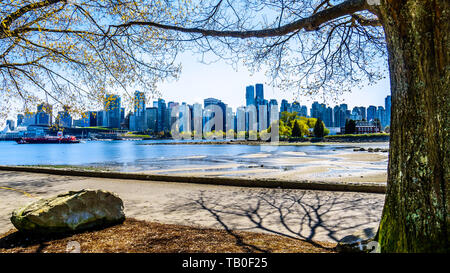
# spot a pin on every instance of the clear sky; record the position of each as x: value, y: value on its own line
x: 219, y: 80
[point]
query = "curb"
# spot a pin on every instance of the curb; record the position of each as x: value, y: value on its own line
x: 370, y: 187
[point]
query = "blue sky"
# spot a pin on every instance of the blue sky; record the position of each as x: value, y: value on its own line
x: 219, y: 80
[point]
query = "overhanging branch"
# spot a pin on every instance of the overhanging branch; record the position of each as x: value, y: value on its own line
x: 311, y: 23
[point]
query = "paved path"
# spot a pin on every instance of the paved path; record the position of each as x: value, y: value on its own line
x: 311, y: 215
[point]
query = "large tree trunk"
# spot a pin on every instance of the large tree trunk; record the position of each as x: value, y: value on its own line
x: 415, y: 215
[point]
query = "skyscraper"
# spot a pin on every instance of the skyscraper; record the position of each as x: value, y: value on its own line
x: 19, y: 119
x: 362, y: 112
x: 64, y: 118
x: 296, y: 107
x: 223, y: 107
x: 387, y: 105
x: 259, y: 92
x: 371, y: 113
x: 285, y: 105
x: 140, y: 117
x: 44, y: 114
x: 112, y: 108
x: 328, y: 117
x: 381, y: 115
x: 162, y: 122
x: 152, y: 117
x: 250, y: 95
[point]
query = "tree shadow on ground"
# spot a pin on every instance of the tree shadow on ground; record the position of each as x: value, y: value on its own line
x: 302, y: 215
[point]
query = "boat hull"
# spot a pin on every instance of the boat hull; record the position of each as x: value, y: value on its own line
x: 44, y: 140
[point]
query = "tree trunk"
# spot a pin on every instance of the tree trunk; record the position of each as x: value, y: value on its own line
x: 415, y: 215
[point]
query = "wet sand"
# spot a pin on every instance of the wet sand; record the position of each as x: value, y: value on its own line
x: 311, y: 215
x: 337, y: 167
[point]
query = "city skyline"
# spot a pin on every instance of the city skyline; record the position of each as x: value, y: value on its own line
x: 218, y: 78
x: 258, y: 111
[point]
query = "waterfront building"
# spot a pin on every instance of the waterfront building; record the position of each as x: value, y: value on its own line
x: 44, y: 114
x: 341, y: 114
x: 387, y: 105
x: 366, y: 127
x: 64, y: 119
x: 381, y: 115
x: 250, y: 95
x: 93, y: 118
x: 10, y: 124
x: 371, y: 113
x: 207, y: 103
x: 285, y: 106
x: 102, y: 119
x: 197, y: 120
x: 113, y: 110
x: 259, y: 87
x: 355, y: 115
x: 152, y: 118
x: 20, y: 118
x: 162, y: 121
x: 362, y: 112
x: 328, y: 117
x: 29, y: 119
x: 140, y: 118
x: 184, y: 118
x: 296, y: 107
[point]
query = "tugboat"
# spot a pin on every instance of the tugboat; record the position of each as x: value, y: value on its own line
x: 59, y: 139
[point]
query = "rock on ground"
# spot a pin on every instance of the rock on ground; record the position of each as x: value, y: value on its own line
x: 69, y: 212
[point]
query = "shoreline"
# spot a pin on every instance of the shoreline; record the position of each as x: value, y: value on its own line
x: 266, y: 143
x: 364, y: 187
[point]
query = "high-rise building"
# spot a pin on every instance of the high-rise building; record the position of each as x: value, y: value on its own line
x: 152, y: 117
x: 387, y: 105
x: 102, y: 119
x: 355, y: 114
x: 113, y: 110
x: 11, y: 124
x: 29, y: 119
x: 197, y: 120
x: 341, y: 114
x: 250, y: 95
x: 162, y: 122
x: 20, y: 118
x: 230, y: 116
x: 184, y: 118
x: 140, y: 117
x: 381, y: 115
x: 212, y: 101
x: 93, y: 118
x: 296, y: 107
x: 285, y: 105
x: 240, y: 121
x: 371, y: 113
x: 304, y: 111
x: 85, y: 120
x: 318, y: 110
x: 259, y: 87
x: 64, y: 119
x: 44, y: 114
x: 362, y: 112
x: 328, y: 117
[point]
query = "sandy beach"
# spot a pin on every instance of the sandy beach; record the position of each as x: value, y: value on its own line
x: 312, y: 215
x: 338, y: 167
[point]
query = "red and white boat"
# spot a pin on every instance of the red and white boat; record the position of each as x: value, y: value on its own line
x: 59, y: 139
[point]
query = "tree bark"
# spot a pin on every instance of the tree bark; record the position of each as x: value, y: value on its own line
x: 415, y: 215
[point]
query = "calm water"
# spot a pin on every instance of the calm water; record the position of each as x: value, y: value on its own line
x: 133, y: 156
